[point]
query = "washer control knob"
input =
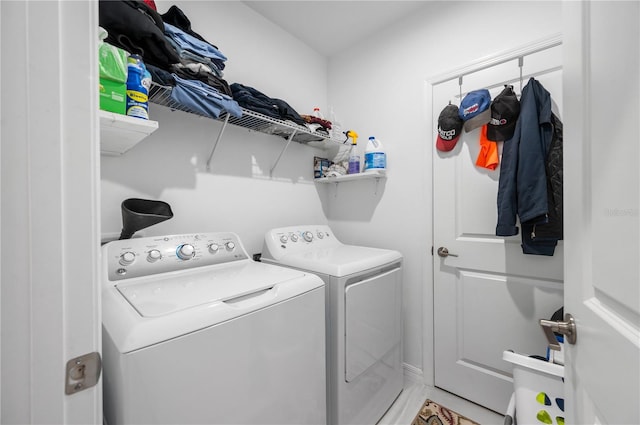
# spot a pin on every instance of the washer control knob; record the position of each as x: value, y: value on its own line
x: 127, y: 258
x: 186, y: 252
x: 153, y: 255
x: 308, y: 236
x: 230, y: 246
x: 294, y: 238
x: 284, y: 238
x: 213, y: 248
x: 320, y: 235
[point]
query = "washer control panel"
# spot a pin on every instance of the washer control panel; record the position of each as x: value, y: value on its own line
x: 138, y: 257
x: 287, y: 240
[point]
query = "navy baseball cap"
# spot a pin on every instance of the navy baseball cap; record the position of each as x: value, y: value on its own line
x: 475, y: 109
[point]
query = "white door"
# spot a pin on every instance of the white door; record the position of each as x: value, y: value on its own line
x: 489, y: 297
x: 602, y: 199
x: 49, y: 210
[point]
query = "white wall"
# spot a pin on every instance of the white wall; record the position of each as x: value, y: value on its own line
x: 378, y: 88
x: 238, y: 194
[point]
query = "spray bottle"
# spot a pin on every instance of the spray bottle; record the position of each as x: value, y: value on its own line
x: 354, y: 158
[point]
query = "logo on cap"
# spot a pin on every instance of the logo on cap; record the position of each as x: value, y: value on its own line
x: 471, y: 109
x: 447, y: 135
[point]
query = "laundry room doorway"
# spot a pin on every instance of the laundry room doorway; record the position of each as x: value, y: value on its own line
x: 49, y: 291
x: 488, y: 295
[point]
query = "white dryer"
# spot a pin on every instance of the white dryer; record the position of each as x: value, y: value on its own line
x: 364, y: 317
x: 194, y: 331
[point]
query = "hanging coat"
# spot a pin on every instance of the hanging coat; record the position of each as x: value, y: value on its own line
x: 530, y: 186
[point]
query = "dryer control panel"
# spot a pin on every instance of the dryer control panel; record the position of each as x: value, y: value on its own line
x: 138, y: 257
x: 287, y: 240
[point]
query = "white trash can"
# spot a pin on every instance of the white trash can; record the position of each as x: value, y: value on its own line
x: 539, y: 390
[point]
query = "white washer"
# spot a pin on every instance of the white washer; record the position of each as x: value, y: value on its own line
x: 364, y: 317
x: 194, y: 331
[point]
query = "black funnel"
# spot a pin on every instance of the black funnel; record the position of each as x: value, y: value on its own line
x: 138, y: 214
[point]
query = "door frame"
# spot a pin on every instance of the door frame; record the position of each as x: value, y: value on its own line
x: 428, y: 322
x: 49, y: 293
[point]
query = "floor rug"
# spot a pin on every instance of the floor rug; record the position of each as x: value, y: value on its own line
x: 433, y: 414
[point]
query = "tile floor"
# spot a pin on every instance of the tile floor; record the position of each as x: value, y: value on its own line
x: 410, y: 401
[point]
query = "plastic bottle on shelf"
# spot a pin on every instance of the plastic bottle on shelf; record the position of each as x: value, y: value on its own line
x: 375, y: 158
x: 137, y: 93
x: 317, y: 113
x: 354, y: 158
x: 146, y: 81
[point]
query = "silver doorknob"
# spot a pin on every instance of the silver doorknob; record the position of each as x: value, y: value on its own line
x: 444, y: 252
x: 566, y: 328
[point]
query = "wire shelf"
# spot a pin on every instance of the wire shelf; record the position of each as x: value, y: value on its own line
x: 251, y: 120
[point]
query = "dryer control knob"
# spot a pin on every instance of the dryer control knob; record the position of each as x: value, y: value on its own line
x: 320, y: 235
x: 153, y: 255
x: 213, y: 248
x: 284, y: 238
x: 308, y: 236
x: 127, y: 258
x: 230, y: 246
x: 294, y: 238
x: 186, y: 252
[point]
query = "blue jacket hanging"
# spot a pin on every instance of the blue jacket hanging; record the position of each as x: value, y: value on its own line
x: 530, y: 186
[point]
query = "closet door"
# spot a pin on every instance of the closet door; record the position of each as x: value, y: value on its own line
x: 489, y: 297
x: 602, y: 181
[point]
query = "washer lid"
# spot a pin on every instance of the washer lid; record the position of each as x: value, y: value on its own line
x: 141, y: 312
x: 339, y: 261
x: 159, y: 296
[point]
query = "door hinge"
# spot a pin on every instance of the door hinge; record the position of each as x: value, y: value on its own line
x: 82, y: 372
x: 432, y: 250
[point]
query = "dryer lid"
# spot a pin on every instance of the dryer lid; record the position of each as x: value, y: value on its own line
x: 159, y: 296
x: 340, y: 261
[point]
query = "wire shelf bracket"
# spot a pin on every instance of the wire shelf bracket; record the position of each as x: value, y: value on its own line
x: 215, y: 144
x: 289, y: 139
x: 251, y: 120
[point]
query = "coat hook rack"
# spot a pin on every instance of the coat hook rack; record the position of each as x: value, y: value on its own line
x: 520, y: 63
x: 519, y: 54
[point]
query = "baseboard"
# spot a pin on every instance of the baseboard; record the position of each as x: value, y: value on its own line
x: 412, y: 375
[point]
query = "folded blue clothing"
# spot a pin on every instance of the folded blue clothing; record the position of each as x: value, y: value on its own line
x: 204, y: 99
x: 187, y: 57
x: 188, y: 42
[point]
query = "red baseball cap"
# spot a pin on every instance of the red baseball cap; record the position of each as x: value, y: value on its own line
x: 449, y: 128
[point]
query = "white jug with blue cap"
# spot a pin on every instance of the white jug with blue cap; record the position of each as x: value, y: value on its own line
x: 375, y: 158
